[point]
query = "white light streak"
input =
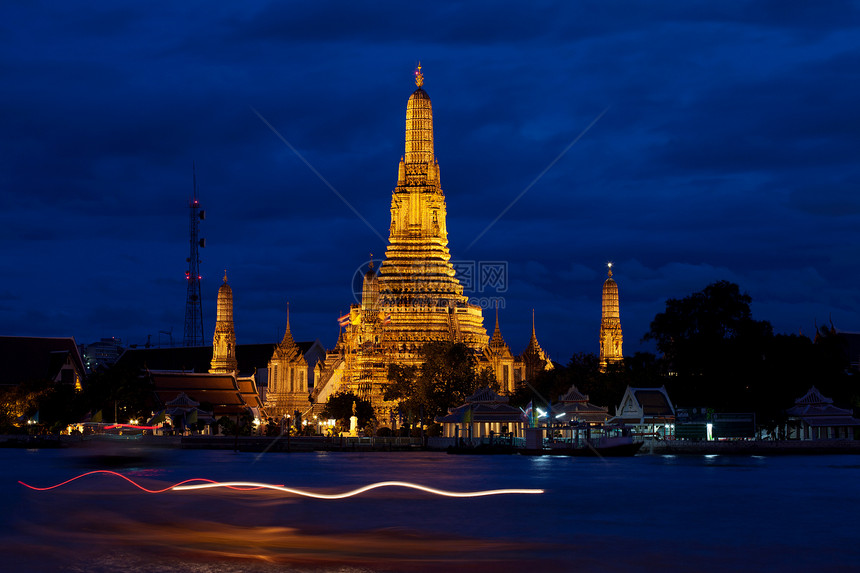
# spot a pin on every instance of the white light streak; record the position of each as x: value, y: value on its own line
x: 363, y: 489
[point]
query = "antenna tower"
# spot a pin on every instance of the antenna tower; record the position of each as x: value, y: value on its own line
x: 193, y: 301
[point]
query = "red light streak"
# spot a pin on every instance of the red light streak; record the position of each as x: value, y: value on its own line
x: 134, y: 483
x: 203, y: 483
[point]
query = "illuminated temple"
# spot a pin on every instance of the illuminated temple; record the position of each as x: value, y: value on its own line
x: 610, y: 324
x: 414, y: 297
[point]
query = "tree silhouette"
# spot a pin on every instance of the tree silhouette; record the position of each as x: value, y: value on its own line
x: 713, y: 350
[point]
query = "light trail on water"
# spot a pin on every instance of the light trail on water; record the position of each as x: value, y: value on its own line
x: 358, y: 491
x: 203, y: 483
x: 131, y: 481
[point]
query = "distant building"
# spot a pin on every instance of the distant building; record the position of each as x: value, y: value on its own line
x: 512, y: 371
x: 814, y: 417
x: 647, y: 411
x: 533, y: 358
x: 102, y: 354
x: 574, y: 407
x: 611, y: 338
x: 39, y: 359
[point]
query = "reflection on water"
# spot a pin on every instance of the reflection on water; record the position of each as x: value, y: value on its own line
x: 643, y: 513
x: 101, y: 539
x: 101, y: 522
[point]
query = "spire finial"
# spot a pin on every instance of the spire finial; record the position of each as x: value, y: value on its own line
x: 497, y: 316
x: 371, y: 261
x: 419, y: 77
x: 225, y: 276
x: 288, y: 315
x: 609, y: 265
x: 533, y: 323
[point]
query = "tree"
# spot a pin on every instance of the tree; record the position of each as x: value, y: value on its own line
x: 712, y: 348
x: 21, y: 402
x: 339, y: 407
x: 121, y: 390
x: 448, y: 375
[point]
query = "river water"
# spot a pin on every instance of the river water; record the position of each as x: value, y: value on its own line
x: 648, y: 513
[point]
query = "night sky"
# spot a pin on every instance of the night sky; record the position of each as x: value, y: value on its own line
x: 724, y: 143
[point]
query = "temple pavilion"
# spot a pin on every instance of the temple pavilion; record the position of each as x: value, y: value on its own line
x: 814, y: 417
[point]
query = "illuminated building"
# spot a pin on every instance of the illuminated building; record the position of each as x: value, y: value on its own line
x: 417, y: 285
x: 287, y: 378
x: 498, y: 357
x: 484, y: 414
x: 533, y: 358
x: 224, y: 340
x: 610, y: 324
x: 415, y: 298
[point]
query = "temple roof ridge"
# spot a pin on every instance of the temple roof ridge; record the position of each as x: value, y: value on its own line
x: 813, y: 397
x: 573, y: 395
x: 488, y: 395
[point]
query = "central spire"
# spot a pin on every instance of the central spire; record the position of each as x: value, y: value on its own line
x: 419, y: 77
x: 419, y: 126
x: 417, y: 282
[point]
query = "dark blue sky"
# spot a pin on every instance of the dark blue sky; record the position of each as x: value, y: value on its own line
x: 729, y: 149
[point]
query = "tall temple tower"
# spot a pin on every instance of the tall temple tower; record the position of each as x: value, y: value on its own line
x: 610, y: 324
x: 417, y: 285
x: 224, y: 340
x: 415, y: 298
